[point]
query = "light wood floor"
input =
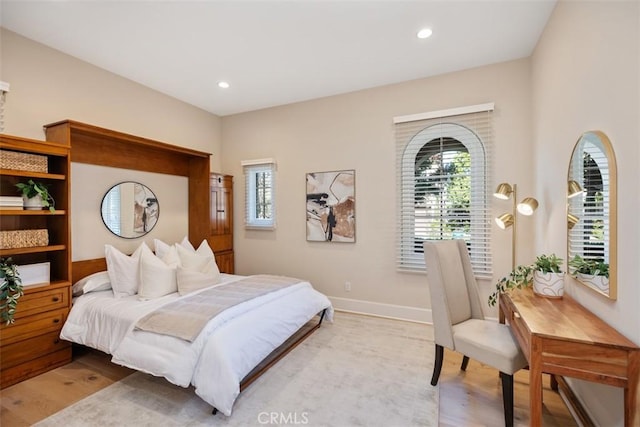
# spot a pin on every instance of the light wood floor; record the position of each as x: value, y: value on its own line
x: 471, y: 398
x: 474, y: 397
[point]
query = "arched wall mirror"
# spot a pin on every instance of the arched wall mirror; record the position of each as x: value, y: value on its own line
x: 591, y: 214
x: 130, y: 210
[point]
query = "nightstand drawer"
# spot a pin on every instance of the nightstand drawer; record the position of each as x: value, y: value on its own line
x: 32, y: 326
x: 45, y: 300
x: 23, y: 351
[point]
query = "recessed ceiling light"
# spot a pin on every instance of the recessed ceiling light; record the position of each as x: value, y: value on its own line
x: 223, y: 85
x: 424, y: 33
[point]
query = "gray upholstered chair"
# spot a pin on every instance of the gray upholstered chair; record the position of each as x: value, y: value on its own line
x: 459, y: 322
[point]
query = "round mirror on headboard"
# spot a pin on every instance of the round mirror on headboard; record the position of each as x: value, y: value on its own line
x: 130, y: 210
x: 591, y: 214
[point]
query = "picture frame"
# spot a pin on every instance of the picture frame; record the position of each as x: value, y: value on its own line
x: 331, y: 206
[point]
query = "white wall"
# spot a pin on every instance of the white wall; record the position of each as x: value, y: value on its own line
x: 586, y: 76
x: 48, y: 86
x: 355, y: 131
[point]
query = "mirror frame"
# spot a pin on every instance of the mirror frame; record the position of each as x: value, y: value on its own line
x: 141, y: 234
x: 613, y: 212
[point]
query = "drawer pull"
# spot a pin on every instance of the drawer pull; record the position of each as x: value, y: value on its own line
x: 516, y: 315
x: 55, y: 299
x: 56, y: 320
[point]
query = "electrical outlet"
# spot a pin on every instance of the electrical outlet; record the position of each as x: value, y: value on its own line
x: 347, y: 286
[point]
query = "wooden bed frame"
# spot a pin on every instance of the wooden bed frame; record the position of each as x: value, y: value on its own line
x: 81, y: 269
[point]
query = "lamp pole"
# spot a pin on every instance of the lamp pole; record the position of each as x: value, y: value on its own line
x: 514, y: 227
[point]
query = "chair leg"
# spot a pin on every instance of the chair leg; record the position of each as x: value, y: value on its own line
x: 465, y: 363
x: 507, y: 398
x: 437, y: 366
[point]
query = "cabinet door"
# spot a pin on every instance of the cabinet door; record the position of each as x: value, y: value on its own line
x: 221, y: 204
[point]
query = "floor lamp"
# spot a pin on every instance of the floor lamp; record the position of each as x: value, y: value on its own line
x: 527, y: 206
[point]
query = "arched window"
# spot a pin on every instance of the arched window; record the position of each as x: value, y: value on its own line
x: 443, y: 187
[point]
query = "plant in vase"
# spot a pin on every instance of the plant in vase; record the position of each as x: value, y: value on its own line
x: 36, y: 195
x: 10, y: 289
x: 545, y: 274
x: 594, y: 272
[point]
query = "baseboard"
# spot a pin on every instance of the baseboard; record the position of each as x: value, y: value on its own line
x: 391, y: 311
x: 573, y: 403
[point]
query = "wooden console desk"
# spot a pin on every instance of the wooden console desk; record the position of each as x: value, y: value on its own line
x: 561, y: 337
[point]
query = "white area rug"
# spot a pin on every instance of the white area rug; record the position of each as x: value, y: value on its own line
x: 358, y: 371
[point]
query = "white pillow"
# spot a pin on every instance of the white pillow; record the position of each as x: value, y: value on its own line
x: 201, y: 260
x: 157, y: 276
x: 187, y: 244
x: 192, y: 280
x: 92, y: 283
x: 123, y: 270
x: 161, y: 247
x: 205, y: 250
x: 197, y: 269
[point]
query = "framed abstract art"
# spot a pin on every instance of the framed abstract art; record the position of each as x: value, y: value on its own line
x: 331, y: 206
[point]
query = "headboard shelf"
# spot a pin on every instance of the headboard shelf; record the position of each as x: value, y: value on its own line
x: 105, y: 147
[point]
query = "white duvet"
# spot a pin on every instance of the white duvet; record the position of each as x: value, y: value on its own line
x: 226, y: 350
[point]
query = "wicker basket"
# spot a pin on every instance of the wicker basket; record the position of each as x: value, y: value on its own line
x: 23, y: 238
x: 23, y: 161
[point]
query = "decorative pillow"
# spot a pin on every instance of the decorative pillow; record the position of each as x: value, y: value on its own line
x: 205, y: 250
x: 201, y: 260
x: 161, y: 247
x: 157, y: 275
x: 123, y: 270
x: 92, y: 283
x: 197, y: 269
x: 187, y: 244
x: 191, y: 280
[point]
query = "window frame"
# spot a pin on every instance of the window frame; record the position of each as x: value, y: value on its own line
x: 251, y: 170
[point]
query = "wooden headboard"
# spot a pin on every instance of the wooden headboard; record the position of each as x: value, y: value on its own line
x: 104, y: 147
x: 80, y: 269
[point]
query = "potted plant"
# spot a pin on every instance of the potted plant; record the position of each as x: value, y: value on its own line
x: 545, y: 274
x: 36, y: 195
x: 590, y: 271
x: 10, y: 289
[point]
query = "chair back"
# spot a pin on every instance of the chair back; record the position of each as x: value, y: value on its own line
x: 452, y: 286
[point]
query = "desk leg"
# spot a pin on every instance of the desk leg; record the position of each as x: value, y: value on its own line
x: 631, y: 392
x: 535, y: 382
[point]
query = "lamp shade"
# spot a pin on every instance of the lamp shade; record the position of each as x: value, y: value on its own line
x: 572, y: 220
x: 574, y: 189
x: 527, y: 206
x: 505, y: 220
x: 503, y: 191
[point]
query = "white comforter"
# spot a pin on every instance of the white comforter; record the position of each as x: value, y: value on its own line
x: 227, y: 349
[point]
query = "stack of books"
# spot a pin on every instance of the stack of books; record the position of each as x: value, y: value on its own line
x: 11, y: 202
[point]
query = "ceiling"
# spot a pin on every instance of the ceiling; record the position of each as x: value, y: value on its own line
x: 278, y: 52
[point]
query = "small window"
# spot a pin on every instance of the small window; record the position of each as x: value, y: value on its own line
x: 260, y: 210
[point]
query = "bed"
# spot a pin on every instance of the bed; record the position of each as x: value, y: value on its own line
x: 229, y: 353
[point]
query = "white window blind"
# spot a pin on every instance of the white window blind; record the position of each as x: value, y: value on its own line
x: 260, y: 210
x: 589, y: 238
x: 4, y: 88
x: 111, y: 210
x: 443, y: 184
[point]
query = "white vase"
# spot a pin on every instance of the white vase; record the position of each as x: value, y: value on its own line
x: 550, y: 285
x: 601, y: 283
x: 32, y: 203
